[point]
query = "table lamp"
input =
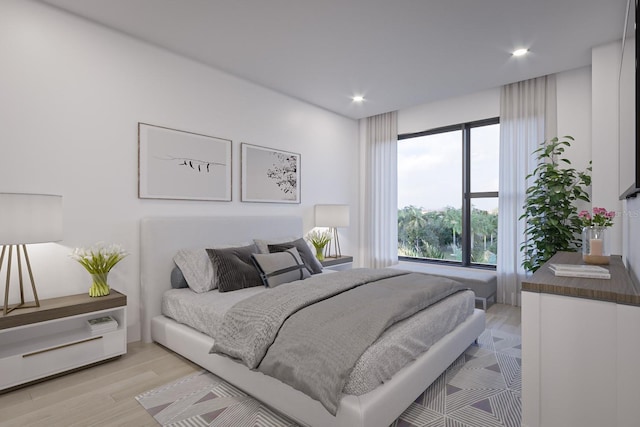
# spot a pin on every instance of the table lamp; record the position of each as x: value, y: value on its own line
x: 26, y: 219
x: 332, y: 216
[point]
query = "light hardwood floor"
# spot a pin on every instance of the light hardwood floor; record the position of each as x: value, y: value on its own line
x: 104, y: 395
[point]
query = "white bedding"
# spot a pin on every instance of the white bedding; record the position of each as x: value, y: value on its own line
x: 399, y: 345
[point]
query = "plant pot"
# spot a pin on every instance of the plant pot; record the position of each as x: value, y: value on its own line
x: 595, y: 245
x: 100, y: 287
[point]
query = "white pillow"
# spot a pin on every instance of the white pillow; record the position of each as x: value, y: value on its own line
x: 197, y: 268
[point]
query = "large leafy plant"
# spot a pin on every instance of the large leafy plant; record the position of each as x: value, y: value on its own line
x: 552, y: 222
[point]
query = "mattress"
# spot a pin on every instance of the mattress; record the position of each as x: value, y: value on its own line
x: 396, y: 347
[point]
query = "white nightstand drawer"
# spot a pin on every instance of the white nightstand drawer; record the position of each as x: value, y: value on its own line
x: 56, y: 337
x: 49, y: 361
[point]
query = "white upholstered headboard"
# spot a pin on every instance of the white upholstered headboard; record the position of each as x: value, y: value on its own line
x: 162, y: 237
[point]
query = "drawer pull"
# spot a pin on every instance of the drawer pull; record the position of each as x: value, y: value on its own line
x: 61, y: 346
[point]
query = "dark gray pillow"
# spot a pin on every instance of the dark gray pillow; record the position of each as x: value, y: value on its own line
x: 234, y: 268
x: 308, y: 258
x: 280, y: 267
x: 177, y: 279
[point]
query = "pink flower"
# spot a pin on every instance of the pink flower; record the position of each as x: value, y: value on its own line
x: 600, y: 218
x: 585, y: 215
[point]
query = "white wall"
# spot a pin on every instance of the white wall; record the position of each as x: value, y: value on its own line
x: 631, y: 227
x: 630, y: 212
x: 72, y: 94
x: 573, y: 97
x: 462, y: 109
x: 605, y: 62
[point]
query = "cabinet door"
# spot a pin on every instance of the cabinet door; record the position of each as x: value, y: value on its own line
x: 569, y: 356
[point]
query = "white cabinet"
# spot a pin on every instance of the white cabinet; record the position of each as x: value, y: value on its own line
x: 39, y: 342
x: 580, y: 352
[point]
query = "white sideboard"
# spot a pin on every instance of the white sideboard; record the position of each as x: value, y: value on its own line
x: 580, y: 349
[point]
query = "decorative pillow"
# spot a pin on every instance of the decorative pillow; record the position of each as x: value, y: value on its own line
x: 280, y: 267
x: 263, y: 245
x: 234, y: 268
x: 196, y: 268
x: 177, y: 279
x: 308, y: 258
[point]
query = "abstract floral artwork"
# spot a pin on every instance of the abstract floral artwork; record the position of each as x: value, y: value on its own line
x: 270, y: 175
x: 175, y: 164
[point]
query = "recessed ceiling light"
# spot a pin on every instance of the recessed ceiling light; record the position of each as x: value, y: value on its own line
x: 520, y: 52
x: 358, y: 98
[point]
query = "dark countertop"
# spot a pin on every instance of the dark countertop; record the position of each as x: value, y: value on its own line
x: 618, y: 289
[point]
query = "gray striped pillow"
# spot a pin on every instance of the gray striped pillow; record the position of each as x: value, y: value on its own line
x: 234, y: 268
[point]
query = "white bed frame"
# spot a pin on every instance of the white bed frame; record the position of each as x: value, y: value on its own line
x: 161, y: 238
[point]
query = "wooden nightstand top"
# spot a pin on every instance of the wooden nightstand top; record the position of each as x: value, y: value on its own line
x: 55, y: 308
x: 330, y: 261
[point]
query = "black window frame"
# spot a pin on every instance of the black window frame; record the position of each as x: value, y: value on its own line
x: 467, y: 194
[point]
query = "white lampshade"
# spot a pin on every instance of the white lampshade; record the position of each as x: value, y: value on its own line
x: 332, y: 216
x: 30, y: 218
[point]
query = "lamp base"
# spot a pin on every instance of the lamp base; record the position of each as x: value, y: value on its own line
x: 336, y: 245
x: 18, y: 256
x: 9, y: 309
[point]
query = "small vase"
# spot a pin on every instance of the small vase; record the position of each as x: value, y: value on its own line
x: 100, y: 287
x: 320, y: 253
x: 595, y: 245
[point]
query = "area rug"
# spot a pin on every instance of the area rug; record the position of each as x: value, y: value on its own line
x: 482, y: 388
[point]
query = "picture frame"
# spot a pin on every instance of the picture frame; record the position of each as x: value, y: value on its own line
x: 269, y: 175
x: 180, y: 165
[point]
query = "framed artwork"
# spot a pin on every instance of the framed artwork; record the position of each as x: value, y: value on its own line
x: 270, y: 175
x: 174, y: 164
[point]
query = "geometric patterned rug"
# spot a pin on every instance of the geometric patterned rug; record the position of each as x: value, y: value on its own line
x: 482, y: 388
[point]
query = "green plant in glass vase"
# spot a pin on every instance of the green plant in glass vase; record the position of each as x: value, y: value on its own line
x: 552, y: 223
x: 98, y: 261
x: 319, y: 239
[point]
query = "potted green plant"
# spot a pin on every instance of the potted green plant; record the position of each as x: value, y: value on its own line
x: 319, y: 239
x: 552, y: 223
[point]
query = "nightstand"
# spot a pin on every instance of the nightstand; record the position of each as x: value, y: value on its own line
x: 344, y: 262
x: 39, y: 342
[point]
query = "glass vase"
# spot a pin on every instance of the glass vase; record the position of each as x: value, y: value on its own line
x: 320, y: 253
x: 595, y: 245
x: 100, y: 287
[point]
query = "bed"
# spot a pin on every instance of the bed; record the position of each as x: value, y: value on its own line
x: 162, y: 237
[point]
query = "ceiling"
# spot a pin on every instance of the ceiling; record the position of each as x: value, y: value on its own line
x: 396, y: 54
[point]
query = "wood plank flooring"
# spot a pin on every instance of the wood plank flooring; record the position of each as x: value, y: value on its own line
x: 103, y: 395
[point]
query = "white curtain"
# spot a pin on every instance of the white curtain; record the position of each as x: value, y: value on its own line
x: 379, y: 190
x: 527, y: 118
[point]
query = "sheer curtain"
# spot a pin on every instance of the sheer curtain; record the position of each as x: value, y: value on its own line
x: 527, y: 118
x: 379, y: 190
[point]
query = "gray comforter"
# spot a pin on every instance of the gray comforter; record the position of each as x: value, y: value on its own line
x: 301, y: 336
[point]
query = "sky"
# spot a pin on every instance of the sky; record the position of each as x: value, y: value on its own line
x: 430, y: 169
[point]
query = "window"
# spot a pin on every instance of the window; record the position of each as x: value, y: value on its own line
x: 448, y: 194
